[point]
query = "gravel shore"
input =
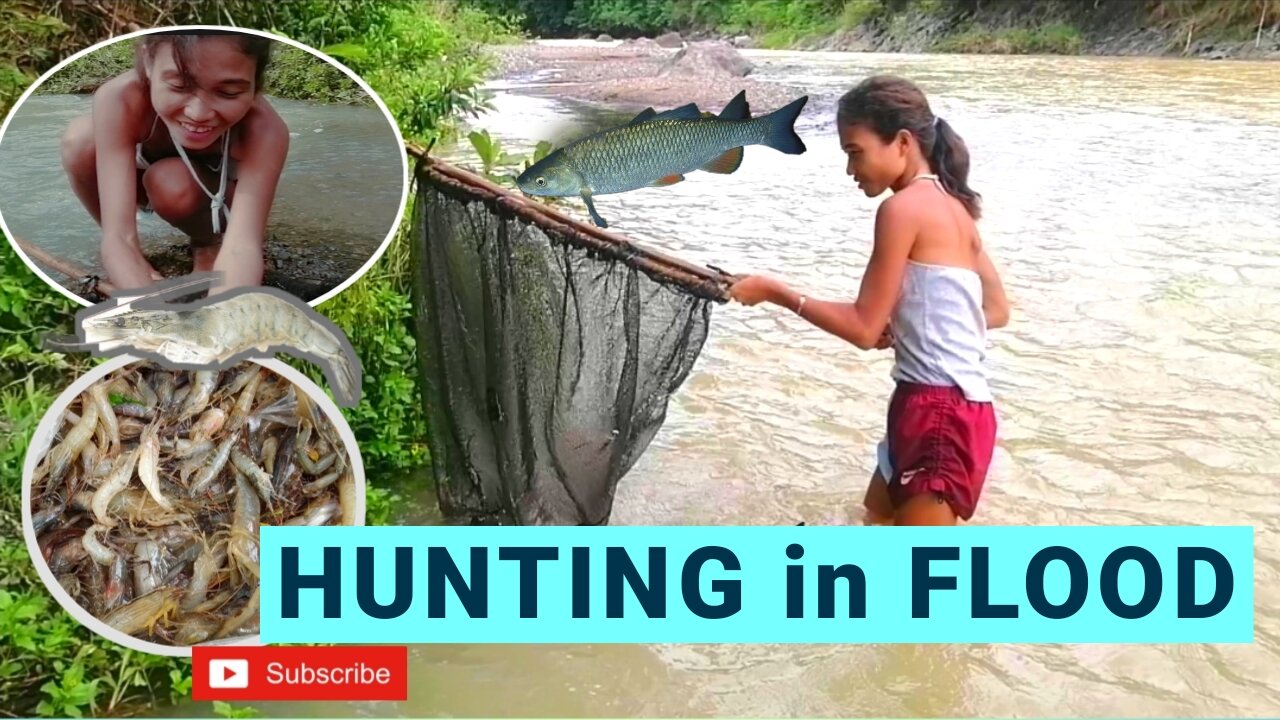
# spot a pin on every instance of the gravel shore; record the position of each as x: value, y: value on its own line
x: 640, y: 74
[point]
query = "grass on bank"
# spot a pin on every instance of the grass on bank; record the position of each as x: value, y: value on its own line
x: 293, y: 74
x: 971, y: 26
x: 1216, y: 19
x: 1055, y: 39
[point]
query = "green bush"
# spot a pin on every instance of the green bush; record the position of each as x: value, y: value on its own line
x: 425, y: 61
x: 377, y: 315
x: 622, y: 17
x: 298, y: 75
x: 85, y: 74
x: 1055, y: 39
x: 292, y: 73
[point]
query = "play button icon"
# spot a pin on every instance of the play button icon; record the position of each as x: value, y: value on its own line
x: 228, y: 673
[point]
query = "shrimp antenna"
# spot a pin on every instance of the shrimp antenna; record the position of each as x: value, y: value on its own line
x: 124, y: 302
x: 152, y: 295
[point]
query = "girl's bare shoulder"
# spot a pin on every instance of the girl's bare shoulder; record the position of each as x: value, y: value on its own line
x: 124, y: 94
x: 263, y: 125
x: 946, y: 234
x: 125, y: 87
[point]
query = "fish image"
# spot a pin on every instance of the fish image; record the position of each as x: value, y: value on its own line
x: 659, y: 149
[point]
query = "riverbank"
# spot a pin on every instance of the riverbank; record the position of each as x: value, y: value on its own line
x: 673, y: 69
x: 1114, y: 32
x: 639, y: 73
x: 1212, y: 29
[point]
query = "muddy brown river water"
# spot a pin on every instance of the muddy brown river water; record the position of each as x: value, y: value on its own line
x: 1133, y: 206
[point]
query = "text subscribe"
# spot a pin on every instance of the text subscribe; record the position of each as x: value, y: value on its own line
x: 345, y: 673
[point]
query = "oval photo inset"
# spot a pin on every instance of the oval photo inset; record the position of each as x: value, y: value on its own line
x: 178, y: 150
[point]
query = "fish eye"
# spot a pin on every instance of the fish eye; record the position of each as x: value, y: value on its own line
x: 540, y: 182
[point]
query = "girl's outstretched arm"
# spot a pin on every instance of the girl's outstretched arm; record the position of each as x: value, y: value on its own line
x: 114, y: 104
x: 863, y: 321
x: 266, y: 144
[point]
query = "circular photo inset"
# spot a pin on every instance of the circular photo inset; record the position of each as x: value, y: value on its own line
x: 187, y: 149
x: 144, y: 490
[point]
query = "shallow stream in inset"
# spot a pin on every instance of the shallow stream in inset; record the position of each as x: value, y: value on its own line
x: 335, y: 203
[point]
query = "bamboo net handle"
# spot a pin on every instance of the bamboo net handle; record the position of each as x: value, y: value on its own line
x: 70, y: 269
x: 711, y: 283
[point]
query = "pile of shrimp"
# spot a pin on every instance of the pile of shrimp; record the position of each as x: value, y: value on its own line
x: 147, y: 504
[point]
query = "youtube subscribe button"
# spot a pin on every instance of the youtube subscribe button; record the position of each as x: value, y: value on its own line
x: 347, y: 672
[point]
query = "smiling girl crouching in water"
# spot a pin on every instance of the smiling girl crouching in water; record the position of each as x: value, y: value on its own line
x: 931, y: 283
x: 181, y: 134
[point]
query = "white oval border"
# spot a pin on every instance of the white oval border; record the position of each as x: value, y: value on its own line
x: 42, y: 440
x: 395, y: 128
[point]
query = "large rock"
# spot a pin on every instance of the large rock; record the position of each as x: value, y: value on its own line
x: 643, y: 43
x: 744, y: 41
x: 604, y: 37
x: 710, y: 59
x: 670, y: 40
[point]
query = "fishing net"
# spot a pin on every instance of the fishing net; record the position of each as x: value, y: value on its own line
x: 549, y: 348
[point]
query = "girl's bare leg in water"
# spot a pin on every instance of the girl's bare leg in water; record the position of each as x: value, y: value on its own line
x: 923, y: 509
x: 879, y: 509
x: 180, y: 202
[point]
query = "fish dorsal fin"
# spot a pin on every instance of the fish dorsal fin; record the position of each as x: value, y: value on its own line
x: 645, y: 115
x: 737, y: 109
x: 684, y: 112
x: 669, y: 180
x: 726, y: 163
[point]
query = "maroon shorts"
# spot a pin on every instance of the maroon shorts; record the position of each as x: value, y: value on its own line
x: 939, y: 442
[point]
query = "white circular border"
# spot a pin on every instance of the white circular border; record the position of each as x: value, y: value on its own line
x: 395, y: 129
x: 42, y: 440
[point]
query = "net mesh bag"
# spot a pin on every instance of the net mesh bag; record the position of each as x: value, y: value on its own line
x: 549, y: 350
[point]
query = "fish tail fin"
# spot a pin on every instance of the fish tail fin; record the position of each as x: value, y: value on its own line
x: 780, y: 132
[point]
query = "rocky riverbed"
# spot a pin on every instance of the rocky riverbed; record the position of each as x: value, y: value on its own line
x: 642, y: 73
x: 672, y: 70
x: 290, y: 265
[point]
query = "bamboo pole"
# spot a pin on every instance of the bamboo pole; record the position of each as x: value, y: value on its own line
x: 71, y: 270
x: 703, y: 281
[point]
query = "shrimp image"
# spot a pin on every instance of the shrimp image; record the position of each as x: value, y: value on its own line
x: 154, y: 527
x: 72, y: 444
x: 216, y: 332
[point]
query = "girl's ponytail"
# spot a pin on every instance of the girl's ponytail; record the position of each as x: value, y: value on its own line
x: 949, y: 158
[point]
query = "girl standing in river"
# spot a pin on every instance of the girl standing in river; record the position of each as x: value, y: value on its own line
x: 182, y: 134
x: 930, y: 291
